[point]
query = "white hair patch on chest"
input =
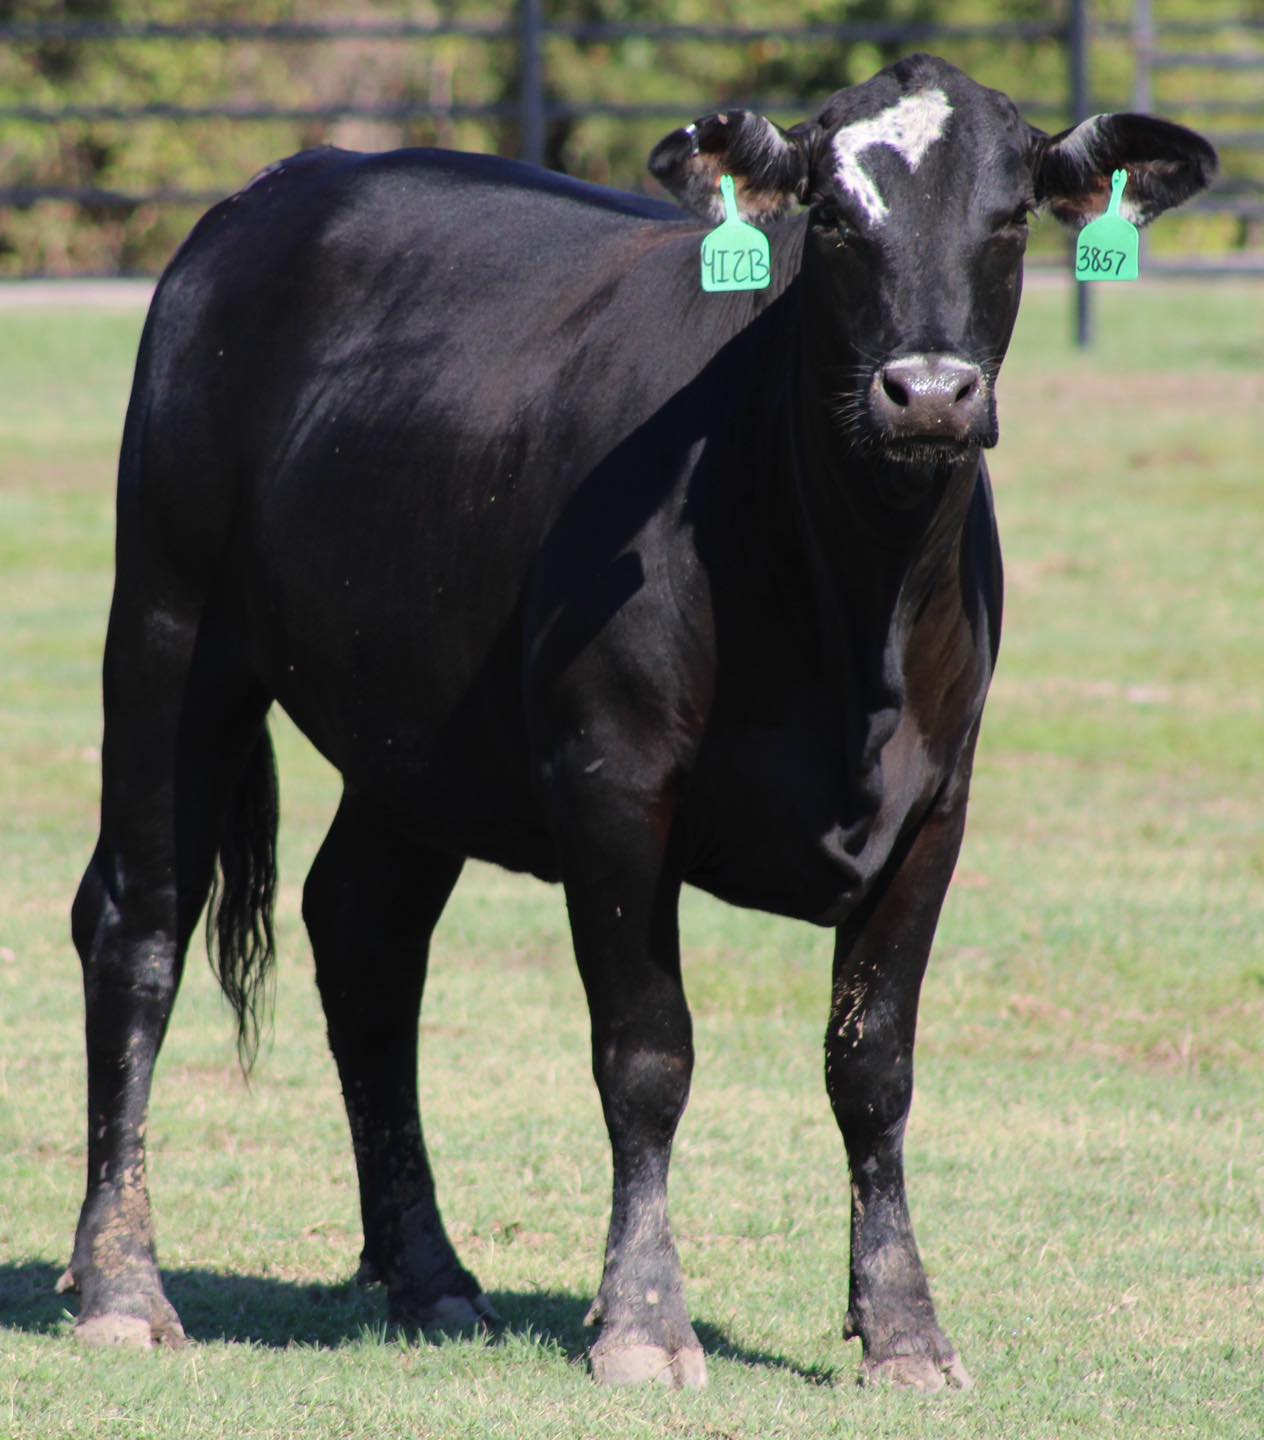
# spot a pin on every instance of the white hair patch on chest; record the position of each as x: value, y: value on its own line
x: 911, y: 126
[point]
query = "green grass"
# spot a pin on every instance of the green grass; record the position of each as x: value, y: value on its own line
x: 1085, y: 1154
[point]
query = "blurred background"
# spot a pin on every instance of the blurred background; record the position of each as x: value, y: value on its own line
x: 120, y: 121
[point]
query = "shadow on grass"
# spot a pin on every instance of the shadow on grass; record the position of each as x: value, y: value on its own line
x: 257, y: 1310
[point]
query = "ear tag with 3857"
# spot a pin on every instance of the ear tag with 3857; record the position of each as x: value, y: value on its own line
x: 735, y: 255
x: 1107, y: 247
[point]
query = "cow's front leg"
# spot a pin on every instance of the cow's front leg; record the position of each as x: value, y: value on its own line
x: 878, y: 967
x: 622, y: 904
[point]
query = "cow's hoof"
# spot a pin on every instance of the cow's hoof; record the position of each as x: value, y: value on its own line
x: 451, y: 1315
x: 458, y: 1312
x: 103, y: 1330
x: 100, y: 1331
x: 111, y: 1318
x: 686, y: 1369
x: 923, y: 1373
x: 368, y: 1274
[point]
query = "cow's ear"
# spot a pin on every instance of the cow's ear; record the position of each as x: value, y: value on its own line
x: 1165, y: 163
x: 769, y: 165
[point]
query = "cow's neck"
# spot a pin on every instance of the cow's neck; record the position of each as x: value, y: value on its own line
x: 881, y: 541
x: 851, y: 550
x: 876, y: 531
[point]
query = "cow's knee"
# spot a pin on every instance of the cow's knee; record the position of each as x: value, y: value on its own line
x: 645, y: 1078
x: 869, y: 1078
x: 88, y: 909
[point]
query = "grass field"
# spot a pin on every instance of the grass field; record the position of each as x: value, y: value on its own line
x: 1086, y: 1152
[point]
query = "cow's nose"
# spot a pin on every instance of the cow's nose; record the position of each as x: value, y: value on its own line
x: 928, y: 397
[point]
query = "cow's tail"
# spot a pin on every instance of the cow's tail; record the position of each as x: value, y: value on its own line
x: 239, y: 931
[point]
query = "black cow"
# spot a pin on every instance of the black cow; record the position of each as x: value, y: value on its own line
x: 570, y: 566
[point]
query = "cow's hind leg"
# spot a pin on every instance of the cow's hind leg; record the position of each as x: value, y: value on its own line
x: 879, y: 963
x: 184, y: 753
x: 370, y: 903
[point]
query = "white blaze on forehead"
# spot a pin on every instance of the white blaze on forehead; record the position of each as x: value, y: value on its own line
x: 911, y: 126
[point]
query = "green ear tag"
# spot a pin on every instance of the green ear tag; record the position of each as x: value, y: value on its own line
x: 735, y: 255
x: 1107, y: 247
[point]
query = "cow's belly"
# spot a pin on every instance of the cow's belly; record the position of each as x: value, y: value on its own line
x: 408, y: 679
x: 778, y: 825
x: 808, y: 878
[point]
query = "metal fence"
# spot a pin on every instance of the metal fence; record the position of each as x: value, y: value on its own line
x: 1160, y: 50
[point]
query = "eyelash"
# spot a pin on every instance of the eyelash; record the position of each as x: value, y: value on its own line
x: 829, y: 214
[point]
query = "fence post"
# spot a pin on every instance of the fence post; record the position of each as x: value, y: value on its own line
x: 1077, y: 61
x: 530, y: 84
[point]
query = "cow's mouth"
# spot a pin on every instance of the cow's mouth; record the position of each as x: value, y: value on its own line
x: 929, y: 451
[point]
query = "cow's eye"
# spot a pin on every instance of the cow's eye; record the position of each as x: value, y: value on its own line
x: 1013, y: 228
x: 830, y: 217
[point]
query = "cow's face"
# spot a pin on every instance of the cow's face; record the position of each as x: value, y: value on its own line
x: 919, y: 184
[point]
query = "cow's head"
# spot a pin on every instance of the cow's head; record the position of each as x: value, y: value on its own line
x: 919, y: 184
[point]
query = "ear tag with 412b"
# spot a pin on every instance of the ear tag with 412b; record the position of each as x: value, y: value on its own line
x: 735, y: 255
x: 1107, y: 247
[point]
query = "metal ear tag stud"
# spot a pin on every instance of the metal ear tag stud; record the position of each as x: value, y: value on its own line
x: 1108, y: 246
x: 735, y: 255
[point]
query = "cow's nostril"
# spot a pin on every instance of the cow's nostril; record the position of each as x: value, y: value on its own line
x: 964, y: 393
x: 894, y: 390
